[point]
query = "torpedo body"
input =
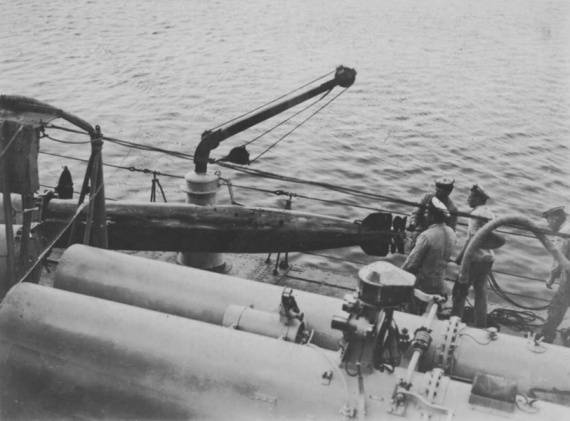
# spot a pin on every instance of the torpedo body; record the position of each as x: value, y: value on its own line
x: 221, y: 229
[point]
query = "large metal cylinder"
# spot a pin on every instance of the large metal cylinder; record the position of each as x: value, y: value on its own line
x: 205, y: 296
x: 66, y: 355
x: 181, y: 291
x: 476, y: 351
x: 89, y: 357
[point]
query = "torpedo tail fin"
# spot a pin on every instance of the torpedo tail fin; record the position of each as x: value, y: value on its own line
x: 391, y: 232
x: 379, y: 221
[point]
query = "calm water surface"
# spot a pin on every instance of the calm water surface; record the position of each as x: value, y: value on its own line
x: 477, y: 91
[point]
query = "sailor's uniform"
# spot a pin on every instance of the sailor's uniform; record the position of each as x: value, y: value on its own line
x: 561, y: 300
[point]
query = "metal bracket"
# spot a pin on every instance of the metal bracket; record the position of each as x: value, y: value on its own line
x: 434, y: 380
x: 453, y: 326
x: 326, y: 377
x: 526, y: 404
x: 230, y: 190
x: 402, y: 397
x: 535, y: 345
x: 436, y: 298
x: 288, y: 308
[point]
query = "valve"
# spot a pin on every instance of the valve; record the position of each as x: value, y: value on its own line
x: 230, y: 190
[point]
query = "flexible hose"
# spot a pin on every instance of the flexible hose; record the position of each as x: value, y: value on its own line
x: 480, y: 235
x: 504, y: 295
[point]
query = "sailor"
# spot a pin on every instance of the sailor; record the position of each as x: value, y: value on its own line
x: 418, y: 217
x: 556, y: 219
x: 428, y: 260
x: 481, y: 261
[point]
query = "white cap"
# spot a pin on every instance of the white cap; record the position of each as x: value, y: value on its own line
x: 439, y: 206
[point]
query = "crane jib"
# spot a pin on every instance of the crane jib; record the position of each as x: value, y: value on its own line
x: 344, y: 77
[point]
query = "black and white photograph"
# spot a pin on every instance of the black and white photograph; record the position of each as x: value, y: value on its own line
x: 285, y: 210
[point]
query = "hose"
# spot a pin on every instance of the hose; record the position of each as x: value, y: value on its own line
x: 480, y: 235
x: 519, y: 321
x: 504, y: 295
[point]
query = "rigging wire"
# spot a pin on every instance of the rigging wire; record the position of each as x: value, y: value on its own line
x: 271, y: 102
x: 286, y: 120
x: 148, y: 148
x: 363, y: 194
x: 259, y: 173
x: 316, y: 199
x: 128, y: 144
x: 65, y: 129
x: 64, y: 141
x: 132, y: 169
x: 264, y: 174
x: 346, y: 190
x: 300, y: 124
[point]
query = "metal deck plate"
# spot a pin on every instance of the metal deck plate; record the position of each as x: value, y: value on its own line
x: 325, y: 282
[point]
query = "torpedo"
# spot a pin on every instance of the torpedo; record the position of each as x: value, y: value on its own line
x: 226, y: 229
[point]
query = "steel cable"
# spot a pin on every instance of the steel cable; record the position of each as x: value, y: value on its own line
x: 300, y: 124
x: 283, y: 122
x: 271, y: 102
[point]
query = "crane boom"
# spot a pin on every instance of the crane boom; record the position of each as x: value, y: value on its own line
x: 343, y: 77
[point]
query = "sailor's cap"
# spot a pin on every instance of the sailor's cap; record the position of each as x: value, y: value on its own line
x: 445, y: 183
x: 477, y: 188
x: 438, y: 206
x: 559, y: 210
